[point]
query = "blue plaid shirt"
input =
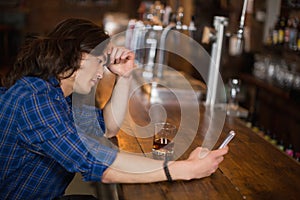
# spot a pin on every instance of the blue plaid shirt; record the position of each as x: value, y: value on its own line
x: 40, y: 148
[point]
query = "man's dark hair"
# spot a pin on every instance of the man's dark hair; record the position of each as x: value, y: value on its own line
x: 58, y: 54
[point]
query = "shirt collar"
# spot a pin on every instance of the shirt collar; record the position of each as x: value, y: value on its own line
x: 53, y: 81
x: 2, y: 90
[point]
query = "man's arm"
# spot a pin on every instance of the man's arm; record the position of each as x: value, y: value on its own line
x: 137, y: 169
x: 116, y: 108
x: 122, y: 63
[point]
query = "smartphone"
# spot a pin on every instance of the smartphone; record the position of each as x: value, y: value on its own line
x: 229, y: 137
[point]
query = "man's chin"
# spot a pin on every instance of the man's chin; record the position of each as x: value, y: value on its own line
x: 83, y: 91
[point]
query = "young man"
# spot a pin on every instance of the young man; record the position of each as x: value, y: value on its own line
x: 40, y: 144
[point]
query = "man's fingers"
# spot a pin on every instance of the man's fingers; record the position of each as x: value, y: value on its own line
x: 119, y: 54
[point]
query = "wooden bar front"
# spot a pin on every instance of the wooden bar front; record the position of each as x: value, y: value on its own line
x: 253, y: 168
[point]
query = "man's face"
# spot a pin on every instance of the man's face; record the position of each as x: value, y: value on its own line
x: 90, y: 72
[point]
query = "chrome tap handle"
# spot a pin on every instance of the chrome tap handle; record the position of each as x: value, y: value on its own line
x: 242, y: 21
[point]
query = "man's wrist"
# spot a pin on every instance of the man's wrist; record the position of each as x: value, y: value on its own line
x: 178, y: 170
x: 124, y: 77
x: 166, y: 170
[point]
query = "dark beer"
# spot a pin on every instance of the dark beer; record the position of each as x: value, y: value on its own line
x: 162, y: 148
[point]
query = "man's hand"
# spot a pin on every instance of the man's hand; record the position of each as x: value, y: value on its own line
x: 121, y: 61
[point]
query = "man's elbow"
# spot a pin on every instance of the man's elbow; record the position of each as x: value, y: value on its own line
x: 107, y: 176
x: 111, y: 132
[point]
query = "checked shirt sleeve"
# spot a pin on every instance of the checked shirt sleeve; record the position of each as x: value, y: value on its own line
x: 89, y: 119
x: 46, y: 125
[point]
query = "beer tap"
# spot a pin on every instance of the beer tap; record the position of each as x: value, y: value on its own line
x: 179, y: 18
x: 237, y: 40
x: 215, y: 36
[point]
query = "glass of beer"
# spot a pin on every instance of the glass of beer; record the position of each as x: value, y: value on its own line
x: 163, y: 141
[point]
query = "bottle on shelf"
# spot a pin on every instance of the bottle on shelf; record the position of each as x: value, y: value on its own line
x: 298, y: 38
x: 268, y: 135
x: 275, y: 33
x: 251, y: 119
x: 255, y: 127
x: 261, y: 132
x: 273, y: 139
x: 280, y: 145
x: 281, y: 30
x: 269, y: 40
x: 289, y: 150
x: 293, y: 34
x: 287, y: 33
x: 297, y: 156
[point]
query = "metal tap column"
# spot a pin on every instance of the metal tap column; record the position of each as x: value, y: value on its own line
x: 219, y: 25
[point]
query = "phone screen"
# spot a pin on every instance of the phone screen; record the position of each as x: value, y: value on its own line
x: 228, y: 138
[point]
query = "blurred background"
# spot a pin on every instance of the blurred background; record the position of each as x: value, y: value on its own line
x: 267, y: 69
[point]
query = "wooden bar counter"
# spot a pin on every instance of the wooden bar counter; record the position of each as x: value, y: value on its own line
x: 253, y: 168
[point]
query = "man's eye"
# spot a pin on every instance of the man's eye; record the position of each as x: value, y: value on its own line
x: 99, y: 60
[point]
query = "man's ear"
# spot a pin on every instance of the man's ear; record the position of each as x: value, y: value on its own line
x: 105, y: 88
x: 67, y: 74
x: 73, y: 76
